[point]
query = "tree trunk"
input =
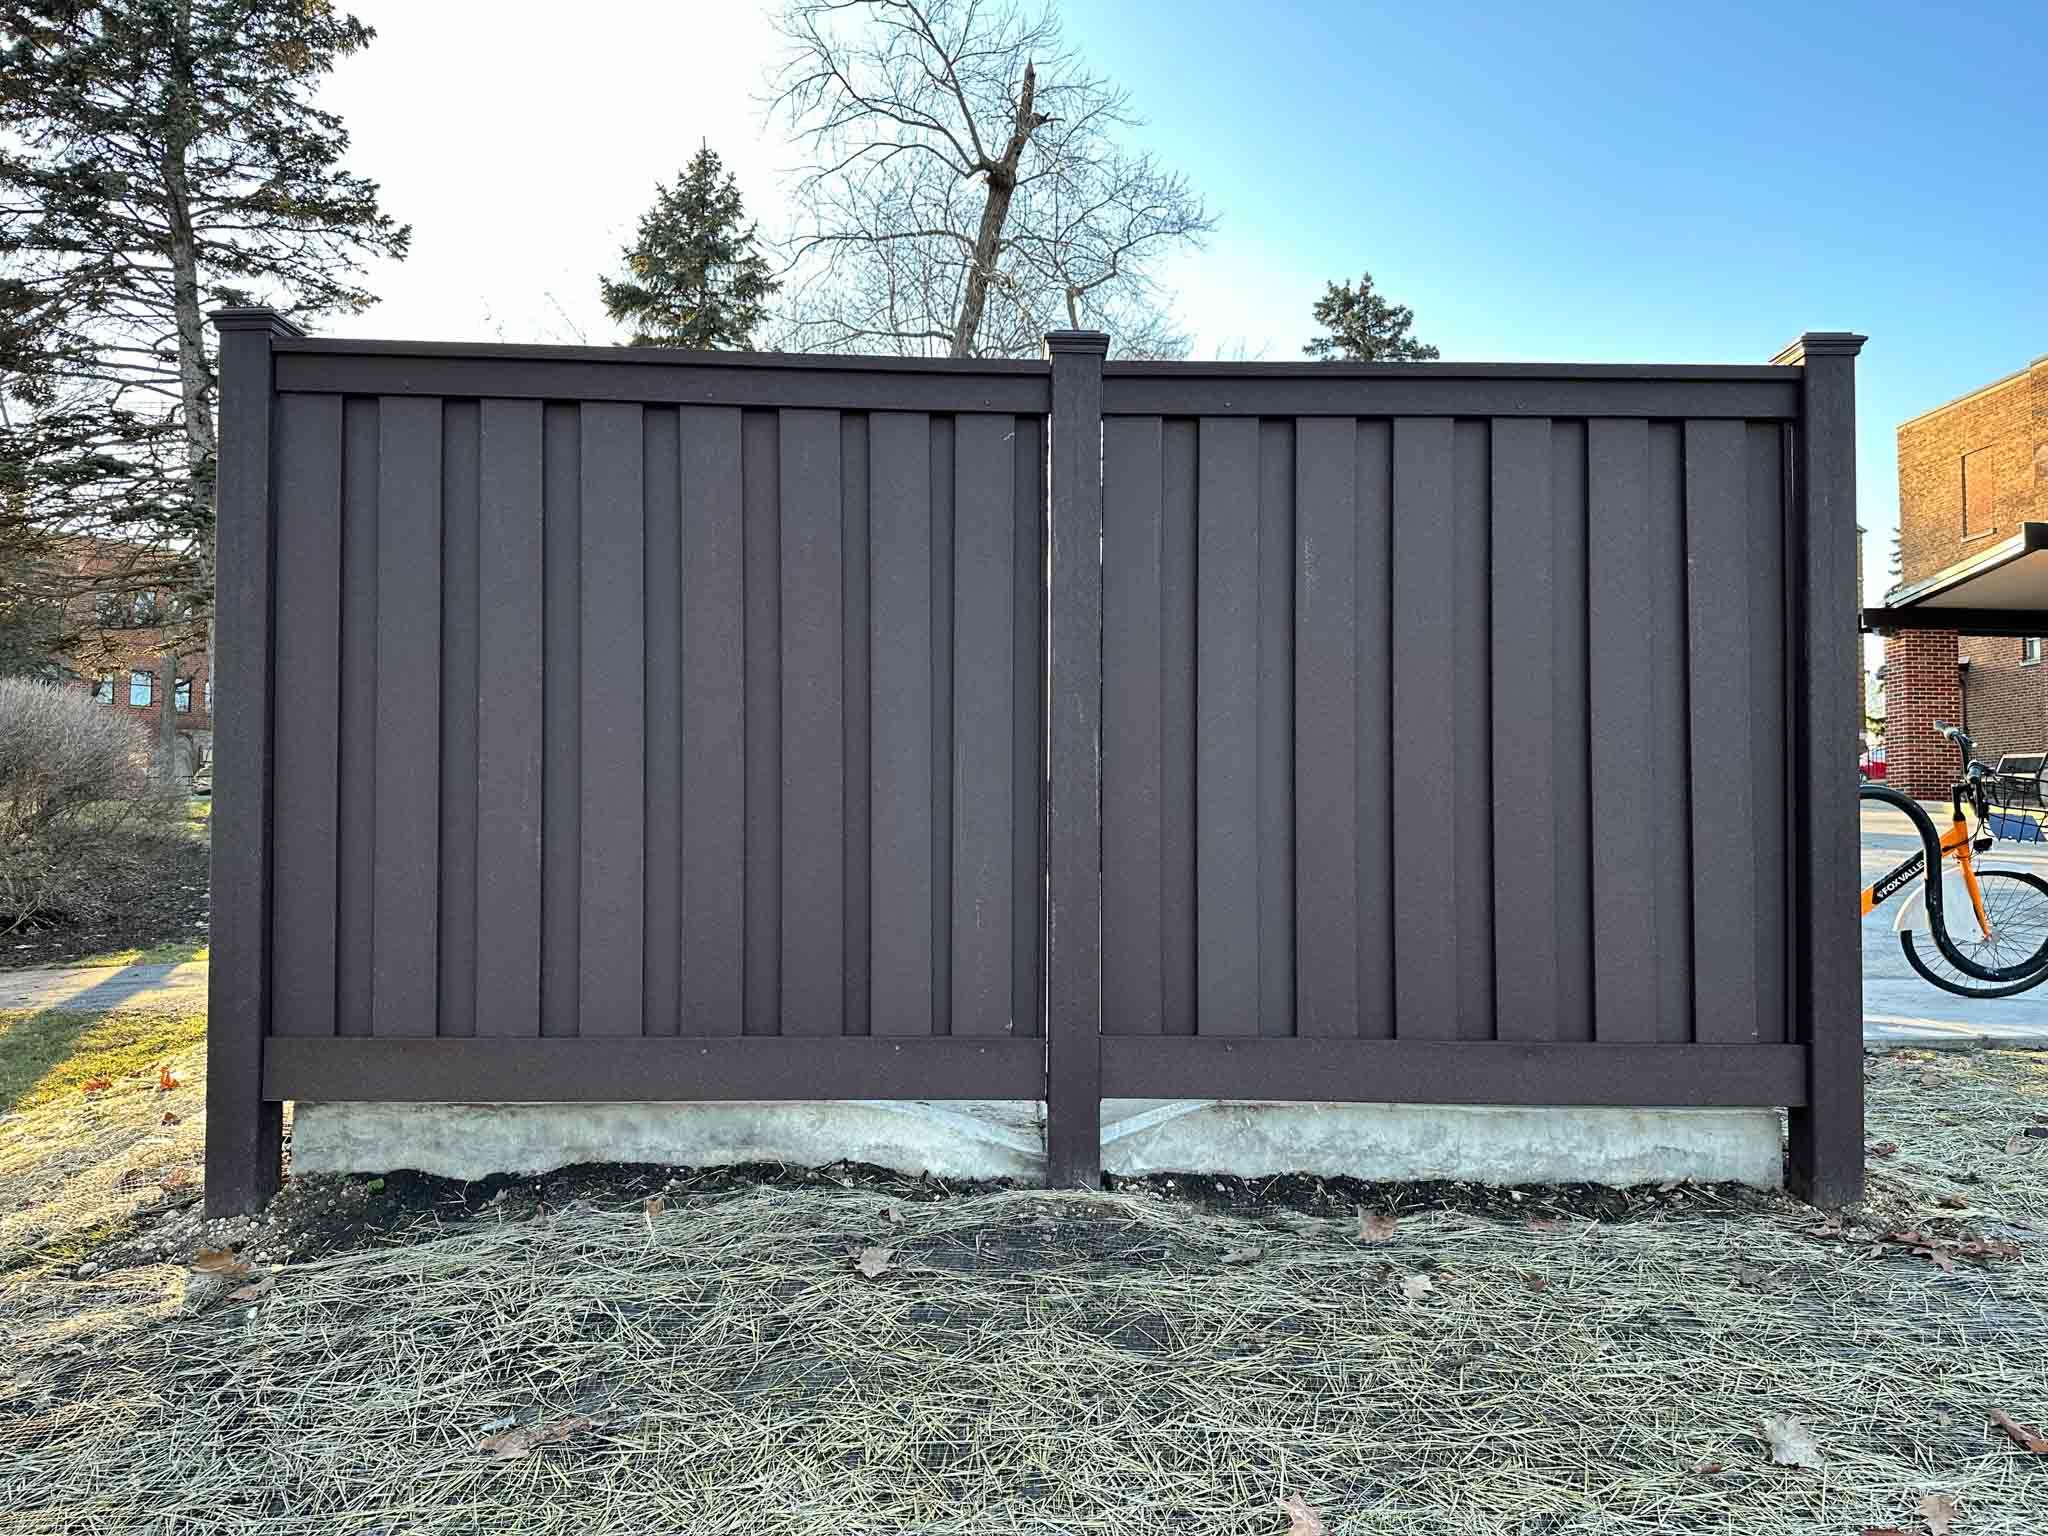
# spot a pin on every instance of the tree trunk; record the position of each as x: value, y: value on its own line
x: 1002, y: 186
x: 194, y: 380
x: 167, y: 720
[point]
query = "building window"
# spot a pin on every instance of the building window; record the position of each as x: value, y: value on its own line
x: 2030, y: 650
x: 209, y: 695
x: 141, y: 688
x: 148, y: 610
x: 181, y: 699
x: 103, y: 688
x: 1980, y: 492
x: 109, y: 610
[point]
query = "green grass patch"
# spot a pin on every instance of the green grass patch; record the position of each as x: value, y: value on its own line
x: 48, y: 1054
x: 171, y: 952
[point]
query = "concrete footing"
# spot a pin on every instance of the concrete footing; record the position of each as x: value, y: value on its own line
x: 990, y: 1140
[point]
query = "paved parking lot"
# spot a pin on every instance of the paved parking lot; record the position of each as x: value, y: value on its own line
x: 1897, y: 1005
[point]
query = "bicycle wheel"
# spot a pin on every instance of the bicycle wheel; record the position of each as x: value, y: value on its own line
x: 2016, y: 906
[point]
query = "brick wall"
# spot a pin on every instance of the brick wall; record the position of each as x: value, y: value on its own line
x: 1971, y: 471
x: 1921, y: 687
x: 2005, y: 698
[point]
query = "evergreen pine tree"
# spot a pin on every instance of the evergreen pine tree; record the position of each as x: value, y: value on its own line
x: 1364, y: 327
x: 694, y: 277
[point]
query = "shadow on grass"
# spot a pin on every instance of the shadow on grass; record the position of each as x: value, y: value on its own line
x: 50, y: 1051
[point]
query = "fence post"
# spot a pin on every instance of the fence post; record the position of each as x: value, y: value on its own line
x: 243, y: 1130
x: 1826, y: 1164
x: 1073, y: 1089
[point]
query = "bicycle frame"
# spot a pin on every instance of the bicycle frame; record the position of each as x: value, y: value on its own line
x: 1953, y: 844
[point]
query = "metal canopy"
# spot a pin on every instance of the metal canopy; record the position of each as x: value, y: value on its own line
x: 2002, y: 589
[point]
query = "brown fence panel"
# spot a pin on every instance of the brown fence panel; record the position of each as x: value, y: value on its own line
x: 602, y: 720
x: 1451, y: 724
x: 620, y: 724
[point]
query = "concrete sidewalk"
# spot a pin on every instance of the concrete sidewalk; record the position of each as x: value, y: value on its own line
x: 179, y: 985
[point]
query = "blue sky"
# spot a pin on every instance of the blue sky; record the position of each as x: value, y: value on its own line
x: 1597, y: 182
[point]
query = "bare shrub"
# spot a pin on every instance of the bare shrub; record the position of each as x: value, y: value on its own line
x: 84, y: 823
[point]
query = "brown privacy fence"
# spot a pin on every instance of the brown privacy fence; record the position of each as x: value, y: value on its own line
x: 616, y: 724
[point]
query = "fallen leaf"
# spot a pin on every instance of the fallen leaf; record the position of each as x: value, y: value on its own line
x: 256, y: 1292
x: 1791, y: 1442
x: 514, y: 1443
x: 96, y: 1085
x: 1939, y: 1511
x: 1944, y: 1253
x: 1301, y: 1520
x: 1243, y: 1255
x: 1545, y: 1224
x: 872, y: 1263
x: 1830, y: 1226
x: 165, y: 1082
x: 176, y: 1179
x: 1882, y: 1530
x: 222, y: 1261
x: 1884, y: 1149
x: 1707, y: 1468
x: 1535, y: 1282
x: 1415, y: 1287
x: 1374, y: 1226
x: 1954, y: 1202
x: 2028, y: 1438
x: 653, y: 1206
x: 170, y: 1118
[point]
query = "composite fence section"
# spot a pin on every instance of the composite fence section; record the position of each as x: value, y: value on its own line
x: 622, y: 724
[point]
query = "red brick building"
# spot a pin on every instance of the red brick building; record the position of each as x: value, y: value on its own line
x: 1971, y: 473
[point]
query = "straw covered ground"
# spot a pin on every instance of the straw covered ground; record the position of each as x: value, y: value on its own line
x: 858, y: 1355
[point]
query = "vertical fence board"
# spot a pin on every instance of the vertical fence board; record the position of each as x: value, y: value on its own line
x: 460, y: 574
x: 1768, y: 836
x: 561, y: 712
x: 984, y: 537
x: 661, y: 945
x: 404, y: 908
x: 1669, y: 729
x: 1326, y: 727
x: 307, y: 714
x: 941, y: 577
x: 613, y: 717
x: 761, y: 516
x: 1373, y: 495
x: 1227, y: 701
x: 1425, y: 681
x: 1626, y: 840
x: 1178, y: 537
x: 1526, y: 791
x: 1471, y: 752
x: 856, y: 705
x: 356, y: 850
x: 715, y: 689
x: 1572, y: 895
x: 813, y: 728
x: 1133, y: 704
x: 509, y: 630
x: 900, y: 784
x: 1718, y: 563
x: 1275, y: 729
x: 1027, y: 858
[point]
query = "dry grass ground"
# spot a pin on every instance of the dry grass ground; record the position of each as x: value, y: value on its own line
x: 1024, y: 1362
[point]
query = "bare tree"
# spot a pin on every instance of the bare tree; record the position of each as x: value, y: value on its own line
x: 966, y: 191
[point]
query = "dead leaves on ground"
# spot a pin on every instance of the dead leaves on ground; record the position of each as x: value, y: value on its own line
x: 1301, y: 1520
x: 1791, y: 1442
x: 223, y: 1262
x: 94, y: 1085
x: 525, y: 1440
x: 165, y: 1081
x: 1939, y: 1511
x: 872, y: 1263
x: 1943, y: 1252
x: 1374, y: 1226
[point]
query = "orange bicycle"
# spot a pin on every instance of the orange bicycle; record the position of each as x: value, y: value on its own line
x: 2002, y: 946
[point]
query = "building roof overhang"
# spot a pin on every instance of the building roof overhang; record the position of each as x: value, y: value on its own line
x: 2001, y: 589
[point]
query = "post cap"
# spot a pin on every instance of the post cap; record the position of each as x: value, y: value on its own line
x: 254, y: 317
x: 1821, y: 344
x: 1077, y: 341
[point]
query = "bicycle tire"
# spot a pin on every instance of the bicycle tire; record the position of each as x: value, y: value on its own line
x: 2018, y: 903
